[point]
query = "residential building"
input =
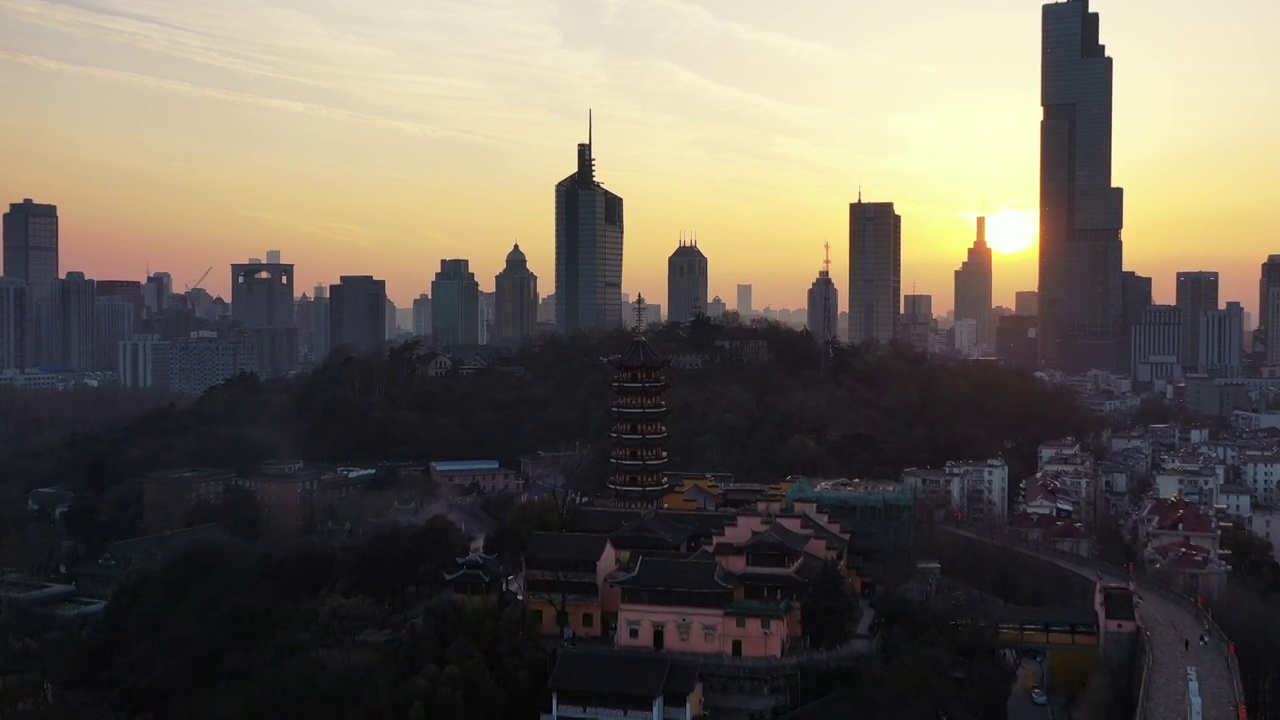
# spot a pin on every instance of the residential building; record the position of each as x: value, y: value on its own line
x: 422, y: 315
x: 824, y: 304
x: 143, y: 362
x: 113, y: 321
x: 1157, y: 343
x: 916, y: 325
x: 1016, y: 343
x: 1238, y: 501
x: 1180, y: 546
x: 262, y: 301
x: 745, y: 308
x: 203, y: 360
x: 1221, y: 341
x: 320, y: 324
x: 601, y: 684
x: 74, y: 337
x: 1269, y: 310
x: 1261, y: 473
x: 455, y: 305
x: 389, y: 330
x: 978, y: 490
x: 875, y: 271
x: 973, y: 289
x: 167, y: 496
x: 1081, y: 214
x: 686, y: 282
x: 589, y: 232
x: 31, y: 247
x: 486, y: 309
x: 294, y: 498
x: 1197, y: 294
x: 516, y: 301
x: 358, y: 313
x: 17, y: 341
x: 487, y: 475
x: 1026, y: 302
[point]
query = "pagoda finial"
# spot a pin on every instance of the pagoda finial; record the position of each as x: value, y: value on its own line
x: 639, y: 327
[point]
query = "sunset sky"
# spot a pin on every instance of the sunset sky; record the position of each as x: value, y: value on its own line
x: 378, y: 136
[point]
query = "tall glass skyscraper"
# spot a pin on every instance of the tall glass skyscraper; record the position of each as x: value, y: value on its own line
x: 588, y: 250
x: 455, y: 305
x: 1081, y: 214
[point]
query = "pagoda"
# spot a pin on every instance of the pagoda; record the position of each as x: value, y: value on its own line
x: 639, y: 435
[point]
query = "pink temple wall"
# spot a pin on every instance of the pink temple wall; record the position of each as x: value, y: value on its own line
x: 755, y: 643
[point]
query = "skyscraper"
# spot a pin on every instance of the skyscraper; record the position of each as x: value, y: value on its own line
x: 74, y: 321
x: 17, y: 345
x: 422, y: 315
x: 588, y: 250
x: 1269, y: 310
x: 744, y: 301
x: 824, y: 303
x: 1197, y: 294
x: 1221, y: 338
x: 916, y: 325
x: 455, y: 305
x: 113, y: 324
x: 686, y: 282
x: 31, y: 246
x: 1157, y: 340
x: 875, y: 271
x: 262, y: 301
x: 358, y: 313
x: 1081, y: 214
x: 973, y: 288
x: 516, y: 288
x: 1026, y: 302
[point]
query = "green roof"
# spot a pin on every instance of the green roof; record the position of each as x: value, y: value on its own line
x: 758, y: 608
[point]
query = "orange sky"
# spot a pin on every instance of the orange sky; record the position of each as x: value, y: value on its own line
x: 377, y: 138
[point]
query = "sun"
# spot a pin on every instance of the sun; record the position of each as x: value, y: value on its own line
x: 1012, y: 231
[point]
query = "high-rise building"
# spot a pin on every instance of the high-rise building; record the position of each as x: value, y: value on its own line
x: 916, y: 325
x: 875, y: 271
x: 74, y: 321
x: 422, y: 315
x: 1136, y: 296
x: 686, y: 282
x: 745, y: 308
x: 358, y: 313
x: 320, y: 345
x: 716, y: 307
x: 1081, y: 214
x: 1016, y: 341
x: 1157, y: 340
x: 129, y: 291
x: 17, y: 344
x: 143, y: 362
x: 824, y: 303
x: 1026, y: 302
x: 113, y: 320
x: 455, y: 305
x: 262, y: 301
x: 965, y: 332
x: 588, y: 250
x: 973, y: 288
x: 1197, y: 294
x: 1269, y: 310
x: 389, y: 329
x: 1221, y: 340
x: 516, y: 301
x: 204, y: 360
x: 31, y: 247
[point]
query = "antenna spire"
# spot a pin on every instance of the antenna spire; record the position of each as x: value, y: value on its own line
x: 826, y: 261
x: 859, y: 192
x: 589, y: 127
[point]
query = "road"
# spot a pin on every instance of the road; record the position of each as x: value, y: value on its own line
x: 1020, y: 705
x: 1168, y: 622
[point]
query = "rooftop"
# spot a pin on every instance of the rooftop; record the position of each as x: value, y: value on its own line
x: 599, y: 672
x: 446, y: 466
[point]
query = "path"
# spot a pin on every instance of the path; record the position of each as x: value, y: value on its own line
x: 1169, y: 622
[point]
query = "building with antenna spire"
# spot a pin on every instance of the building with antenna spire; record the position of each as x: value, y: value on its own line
x: 686, y: 281
x: 824, y: 303
x: 588, y: 285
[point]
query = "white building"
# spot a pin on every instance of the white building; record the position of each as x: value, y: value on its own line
x: 966, y: 335
x: 143, y: 362
x: 204, y: 360
x: 1238, y: 501
x: 1222, y: 340
x: 977, y: 489
x: 1261, y: 472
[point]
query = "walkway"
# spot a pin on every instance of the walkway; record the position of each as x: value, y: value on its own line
x: 1169, y: 622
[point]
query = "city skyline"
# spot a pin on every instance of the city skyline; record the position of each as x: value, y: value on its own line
x: 345, y: 184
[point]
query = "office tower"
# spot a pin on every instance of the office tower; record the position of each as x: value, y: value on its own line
x: 203, y: 360
x: 154, y: 296
x: 1135, y: 296
x: 875, y: 271
x: 1026, y: 302
x: 744, y: 301
x: 918, y: 306
x: 357, y: 313
x: 17, y: 344
x: 73, y: 323
x: 262, y: 301
x: 389, y: 329
x: 1197, y: 293
x: 129, y: 291
x: 1221, y: 340
x: 916, y: 325
x: 1016, y: 343
x: 973, y: 288
x: 113, y: 321
x: 455, y: 305
x: 320, y: 345
x: 1081, y: 214
x: 273, y: 257
x: 1269, y: 308
x: 422, y: 315
x: 686, y: 282
x: 716, y: 307
x: 31, y: 247
x: 824, y: 303
x: 143, y: 362
x: 965, y: 332
x: 516, y: 301
x: 588, y: 250
x: 304, y: 318
x: 1157, y: 341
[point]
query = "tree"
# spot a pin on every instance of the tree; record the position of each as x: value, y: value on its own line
x: 829, y: 609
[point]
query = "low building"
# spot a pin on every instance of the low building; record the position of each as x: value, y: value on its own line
x: 1180, y: 546
x: 488, y: 475
x: 99, y: 578
x: 562, y: 578
x: 625, y: 686
x: 296, y: 499
x: 477, y: 575
x: 168, y: 495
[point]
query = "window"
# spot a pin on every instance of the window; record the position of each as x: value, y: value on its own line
x: 633, y: 633
x: 765, y: 623
x: 588, y: 620
x: 537, y: 617
x: 740, y: 622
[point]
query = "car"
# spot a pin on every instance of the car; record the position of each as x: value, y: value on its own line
x: 1038, y: 695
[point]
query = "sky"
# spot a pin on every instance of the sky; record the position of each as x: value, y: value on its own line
x: 379, y: 136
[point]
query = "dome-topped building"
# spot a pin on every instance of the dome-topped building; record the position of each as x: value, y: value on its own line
x: 515, y: 300
x: 639, y: 434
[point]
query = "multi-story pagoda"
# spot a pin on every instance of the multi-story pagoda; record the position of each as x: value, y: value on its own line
x: 640, y: 437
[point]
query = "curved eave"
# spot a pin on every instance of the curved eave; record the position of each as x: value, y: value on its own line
x: 639, y: 411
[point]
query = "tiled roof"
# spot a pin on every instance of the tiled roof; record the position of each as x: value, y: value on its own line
x: 564, y: 547
x: 652, y: 573
x: 641, y: 355
x: 626, y: 674
x: 776, y: 535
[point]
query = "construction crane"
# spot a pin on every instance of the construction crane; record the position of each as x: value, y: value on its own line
x: 196, y: 285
